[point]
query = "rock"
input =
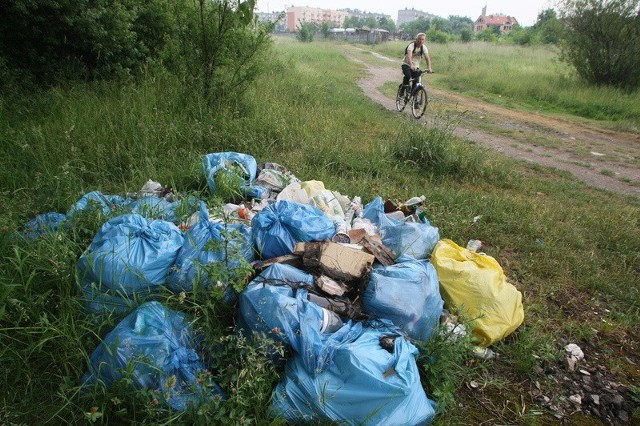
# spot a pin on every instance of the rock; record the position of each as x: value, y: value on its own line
x: 623, y: 416
x: 576, y: 399
x: 595, y: 399
x: 617, y: 401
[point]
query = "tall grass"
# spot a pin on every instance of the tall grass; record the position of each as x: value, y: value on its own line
x: 569, y: 249
x: 529, y: 77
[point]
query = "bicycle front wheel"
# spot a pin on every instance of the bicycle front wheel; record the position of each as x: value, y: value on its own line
x: 420, y: 100
x: 401, y: 99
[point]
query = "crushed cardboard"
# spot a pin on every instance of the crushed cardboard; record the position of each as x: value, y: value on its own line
x: 335, y: 260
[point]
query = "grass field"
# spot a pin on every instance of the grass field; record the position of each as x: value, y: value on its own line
x: 573, y: 252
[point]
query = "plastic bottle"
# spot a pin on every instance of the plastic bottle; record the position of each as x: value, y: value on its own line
x: 415, y: 201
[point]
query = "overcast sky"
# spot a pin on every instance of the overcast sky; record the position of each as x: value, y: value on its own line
x: 525, y: 11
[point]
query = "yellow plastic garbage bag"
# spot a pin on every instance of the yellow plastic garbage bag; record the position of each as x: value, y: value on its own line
x: 475, y: 285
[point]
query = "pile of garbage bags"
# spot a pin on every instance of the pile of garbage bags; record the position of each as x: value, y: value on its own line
x: 347, y: 287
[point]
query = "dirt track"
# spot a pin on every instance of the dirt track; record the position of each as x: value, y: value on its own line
x: 601, y: 158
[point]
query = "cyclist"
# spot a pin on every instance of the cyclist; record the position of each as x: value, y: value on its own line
x: 413, y: 54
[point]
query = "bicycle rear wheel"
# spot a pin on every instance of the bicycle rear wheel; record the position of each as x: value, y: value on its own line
x: 420, y: 101
x: 401, y: 98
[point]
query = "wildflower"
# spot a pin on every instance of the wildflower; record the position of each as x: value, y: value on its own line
x: 171, y: 382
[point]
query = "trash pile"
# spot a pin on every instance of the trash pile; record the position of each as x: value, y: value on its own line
x: 347, y: 287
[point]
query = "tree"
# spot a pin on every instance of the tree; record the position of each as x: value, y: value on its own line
x: 420, y: 25
x: 205, y: 53
x: 55, y: 40
x: 547, y: 27
x: 387, y: 24
x: 306, y: 32
x: 324, y: 29
x: 353, y: 22
x: 441, y: 24
x: 602, y: 40
x: 460, y: 24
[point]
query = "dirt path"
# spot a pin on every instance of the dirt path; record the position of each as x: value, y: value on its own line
x: 601, y: 158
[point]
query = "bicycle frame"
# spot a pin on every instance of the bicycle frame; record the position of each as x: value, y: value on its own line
x: 416, y: 96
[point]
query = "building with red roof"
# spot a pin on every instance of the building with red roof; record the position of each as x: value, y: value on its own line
x: 503, y: 22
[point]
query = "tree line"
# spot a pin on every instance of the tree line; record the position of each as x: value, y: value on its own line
x: 215, y: 45
x: 212, y: 45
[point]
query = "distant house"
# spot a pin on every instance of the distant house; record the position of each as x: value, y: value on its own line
x: 503, y: 22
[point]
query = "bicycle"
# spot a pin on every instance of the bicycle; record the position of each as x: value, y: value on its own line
x: 415, y: 93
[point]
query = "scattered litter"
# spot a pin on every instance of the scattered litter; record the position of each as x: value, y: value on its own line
x: 474, y: 245
x: 574, y: 354
x: 597, y: 154
x: 484, y: 353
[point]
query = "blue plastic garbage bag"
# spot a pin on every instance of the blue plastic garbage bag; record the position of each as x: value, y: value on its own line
x: 278, y: 227
x: 408, y: 294
x: 196, y: 252
x: 363, y: 384
x: 97, y: 200
x: 154, y: 347
x: 128, y: 259
x: 44, y: 224
x: 406, y: 239
x: 224, y: 162
x: 276, y: 303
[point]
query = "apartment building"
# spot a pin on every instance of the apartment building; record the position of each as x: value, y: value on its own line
x: 298, y: 15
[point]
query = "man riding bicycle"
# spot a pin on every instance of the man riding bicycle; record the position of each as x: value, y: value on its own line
x: 413, y: 54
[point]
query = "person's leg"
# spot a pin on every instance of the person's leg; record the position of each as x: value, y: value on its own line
x: 406, y: 71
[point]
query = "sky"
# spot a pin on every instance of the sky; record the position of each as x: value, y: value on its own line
x: 525, y: 11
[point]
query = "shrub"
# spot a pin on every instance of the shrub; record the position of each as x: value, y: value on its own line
x: 306, y: 32
x: 602, y: 41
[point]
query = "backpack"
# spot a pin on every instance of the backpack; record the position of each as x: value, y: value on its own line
x: 406, y: 49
